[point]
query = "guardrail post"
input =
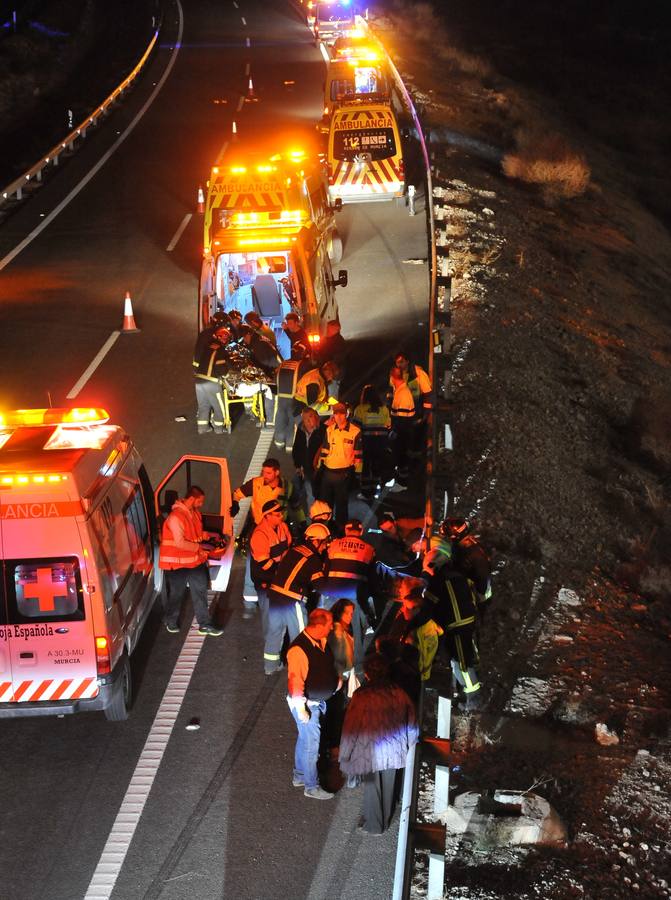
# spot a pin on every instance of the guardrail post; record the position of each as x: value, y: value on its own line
x: 437, y: 751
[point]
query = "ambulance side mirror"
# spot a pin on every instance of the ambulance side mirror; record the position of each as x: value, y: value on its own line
x: 341, y: 280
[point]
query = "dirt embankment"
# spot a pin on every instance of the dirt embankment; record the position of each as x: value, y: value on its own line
x: 562, y: 429
x: 65, y: 57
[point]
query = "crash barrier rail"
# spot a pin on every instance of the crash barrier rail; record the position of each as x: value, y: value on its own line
x: 414, y: 835
x: 33, y: 177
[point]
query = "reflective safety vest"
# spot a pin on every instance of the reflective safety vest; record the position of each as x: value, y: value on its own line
x: 455, y: 602
x: 350, y: 557
x: 341, y: 447
x: 300, y: 567
x: 372, y: 422
x: 287, y: 377
x: 173, y: 557
x: 321, y: 404
x: 267, y: 546
x: 213, y: 364
x: 420, y: 388
x: 261, y: 493
x: 403, y: 403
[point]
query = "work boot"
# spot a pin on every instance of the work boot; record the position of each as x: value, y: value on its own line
x: 211, y: 630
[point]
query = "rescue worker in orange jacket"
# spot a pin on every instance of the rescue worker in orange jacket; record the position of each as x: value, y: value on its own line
x: 294, y: 580
x: 184, y: 562
x: 340, y: 462
x: 268, y: 544
x: 350, y: 568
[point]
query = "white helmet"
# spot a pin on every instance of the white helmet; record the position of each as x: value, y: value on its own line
x: 320, y: 510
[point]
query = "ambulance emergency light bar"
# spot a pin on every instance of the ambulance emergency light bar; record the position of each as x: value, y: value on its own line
x: 35, y: 418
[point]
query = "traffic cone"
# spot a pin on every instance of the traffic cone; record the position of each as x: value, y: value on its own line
x: 235, y: 130
x: 201, y: 200
x: 250, y: 90
x: 128, y: 318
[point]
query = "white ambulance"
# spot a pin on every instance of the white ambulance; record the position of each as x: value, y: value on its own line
x: 79, y: 534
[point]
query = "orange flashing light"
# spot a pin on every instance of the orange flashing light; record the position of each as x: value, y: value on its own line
x: 9, y: 480
x: 238, y: 170
x: 314, y: 338
x: 21, y: 418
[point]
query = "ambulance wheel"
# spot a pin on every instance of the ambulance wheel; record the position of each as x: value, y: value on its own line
x: 119, y: 708
x: 335, y: 248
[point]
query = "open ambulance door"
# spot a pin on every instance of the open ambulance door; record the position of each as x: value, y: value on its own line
x: 207, y: 294
x: 210, y: 474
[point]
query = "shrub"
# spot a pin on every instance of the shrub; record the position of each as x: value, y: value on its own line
x: 548, y: 161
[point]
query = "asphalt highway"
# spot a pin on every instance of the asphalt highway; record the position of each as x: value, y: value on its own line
x: 222, y: 819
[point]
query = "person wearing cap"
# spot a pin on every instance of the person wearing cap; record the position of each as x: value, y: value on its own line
x: 294, y: 581
x: 268, y: 544
x: 294, y: 330
x: 209, y: 369
x: 340, y: 462
x: 307, y: 443
x: 350, y: 561
x: 286, y: 378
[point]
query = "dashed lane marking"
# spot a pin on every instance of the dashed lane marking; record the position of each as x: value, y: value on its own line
x: 173, y: 243
x: 127, y: 819
x: 97, y: 359
x: 243, y: 20
x: 47, y: 220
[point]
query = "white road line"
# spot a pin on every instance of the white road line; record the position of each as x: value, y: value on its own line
x: 241, y: 103
x: 127, y: 819
x: 97, y: 359
x: 235, y: 5
x: 173, y: 243
x: 5, y: 261
x: 224, y: 147
x: 324, y: 53
x: 243, y: 20
x: 248, y: 68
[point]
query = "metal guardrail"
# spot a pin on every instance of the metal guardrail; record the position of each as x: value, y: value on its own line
x: 33, y: 177
x: 413, y: 835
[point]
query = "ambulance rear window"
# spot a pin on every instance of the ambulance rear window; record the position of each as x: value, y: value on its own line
x: 42, y: 590
x: 379, y: 142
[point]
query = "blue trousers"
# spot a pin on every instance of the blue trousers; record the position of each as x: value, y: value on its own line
x: 307, y: 744
x: 282, y: 618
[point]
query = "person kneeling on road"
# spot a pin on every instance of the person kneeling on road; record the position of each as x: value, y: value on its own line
x: 184, y: 561
x: 312, y: 679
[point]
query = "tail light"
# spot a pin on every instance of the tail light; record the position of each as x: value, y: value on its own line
x: 314, y: 338
x: 103, y: 662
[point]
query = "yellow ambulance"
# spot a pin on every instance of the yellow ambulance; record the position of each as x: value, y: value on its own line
x: 358, y: 70
x: 79, y: 535
x: 365, y: 156
x: 270, y: 238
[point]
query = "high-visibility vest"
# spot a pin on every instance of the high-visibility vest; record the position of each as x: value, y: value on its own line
x: 349, y: 557
x: 173, y: 557
x: 321, y: 404
x: 261, y: 493
x: 420, y: 388
x: 341, y: 447
x: 267, y: 546
x: 372, y: 422
x: 299, y: 568
x: 213, y: 364
x: 287, y: 377
x: 403, y: 403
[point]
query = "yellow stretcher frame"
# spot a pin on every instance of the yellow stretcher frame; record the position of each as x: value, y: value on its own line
x: 255, y: 403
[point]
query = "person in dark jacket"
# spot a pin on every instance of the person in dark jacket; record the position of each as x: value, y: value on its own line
x: 333, y: 347
x: 308, y: 439
x: 312, y: 680
x: 380, y: 727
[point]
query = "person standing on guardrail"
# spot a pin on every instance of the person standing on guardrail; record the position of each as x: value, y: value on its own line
x: 380, y: 727
x: 311, y: 680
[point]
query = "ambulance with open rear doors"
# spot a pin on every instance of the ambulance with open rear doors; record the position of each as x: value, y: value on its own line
x: 269, y: 240
x: 79, y: 536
